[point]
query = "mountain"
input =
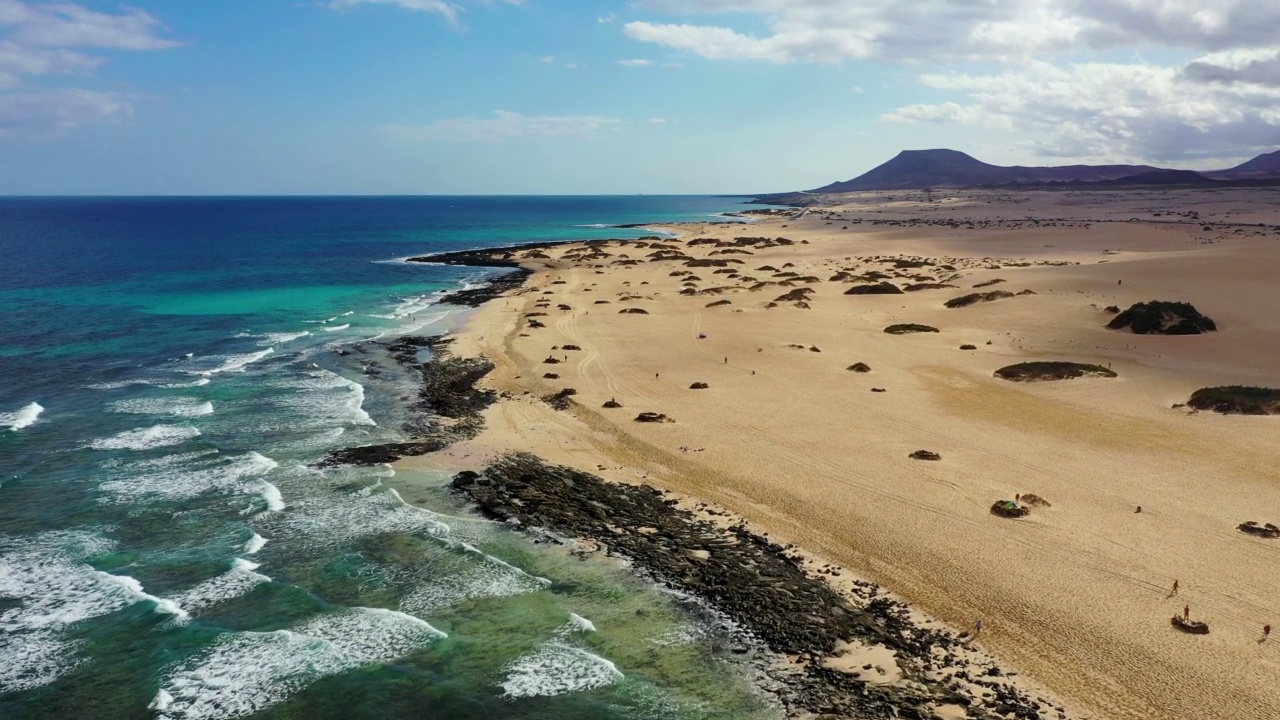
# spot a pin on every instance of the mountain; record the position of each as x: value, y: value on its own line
x: 951, y: 168
x: 1263, y: 166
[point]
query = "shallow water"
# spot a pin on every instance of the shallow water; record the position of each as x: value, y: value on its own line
x: 170, y: 369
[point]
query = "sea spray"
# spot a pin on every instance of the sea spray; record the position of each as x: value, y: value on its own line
x: 24, y: 418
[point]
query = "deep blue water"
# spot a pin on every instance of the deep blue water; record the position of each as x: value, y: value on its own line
x: 170, y: 368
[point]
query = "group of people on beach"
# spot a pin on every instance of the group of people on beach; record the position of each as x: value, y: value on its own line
x: 1186, y: 614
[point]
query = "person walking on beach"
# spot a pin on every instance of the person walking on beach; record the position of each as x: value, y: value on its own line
x: 1174, y: 591
x: 977, y: 628
x: 1266, y: 633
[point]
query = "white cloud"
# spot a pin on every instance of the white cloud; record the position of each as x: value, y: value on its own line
x: 1104, y: 111
x: 17, y: 61
x: 36, y: 41
x: 451, y: 11
x: 44, y: 114
x: 830, y: 31
x: 657, y: 121
x: 504, y: 126
x: 635, y: 63
x: 1225, y: 102
x: 67, y: 25
x: 606, y: 19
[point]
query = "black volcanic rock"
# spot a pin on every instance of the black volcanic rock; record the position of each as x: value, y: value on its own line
x: 1160, y: 317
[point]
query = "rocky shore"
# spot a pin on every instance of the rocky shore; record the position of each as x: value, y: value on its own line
x: 764, y: 591
x: 448, y: 396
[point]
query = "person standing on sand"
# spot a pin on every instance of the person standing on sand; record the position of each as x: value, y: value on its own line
x: 1186, y: 612
x: 1266, y: 633
x: 977, y: 628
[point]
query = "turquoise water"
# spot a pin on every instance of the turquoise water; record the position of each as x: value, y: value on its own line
x: 170, y: 369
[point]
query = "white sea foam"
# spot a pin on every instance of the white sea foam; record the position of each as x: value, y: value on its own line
x: 118, y: 384
x: 237, y: 581
x: 24, y: 418
x: 161, y: 702
x: 271, y: 493
x: 180, y: 481
x: 577, y: 623
x: 179, y: 406
x: 245, y: 673
x: 233, y: 363
x: 31, y: 659
x: 325, y: 399
x: 336, y: 520
x: 683, y: 634
x: 198, y: 382
x: 55, y: 590
x: 461, y: 578
x: 281, y: 338
x: 557, y: 668
x: 254, y: 544
x: 147, y: 438
x: 133, y: 590
x: 336, y: 328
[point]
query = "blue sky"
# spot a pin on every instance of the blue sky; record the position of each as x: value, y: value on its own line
x: 647, y: 96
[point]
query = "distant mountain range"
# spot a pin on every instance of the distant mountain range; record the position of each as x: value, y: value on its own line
x: 919, y: 169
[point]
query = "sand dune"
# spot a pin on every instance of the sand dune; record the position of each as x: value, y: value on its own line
x: 784, y: 435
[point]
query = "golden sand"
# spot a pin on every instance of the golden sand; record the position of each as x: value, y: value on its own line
x: 785, y: 436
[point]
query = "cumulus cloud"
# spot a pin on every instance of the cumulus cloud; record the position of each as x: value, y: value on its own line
x: 38, y: 41
x: 1222, y: 103
x: 837, y: 30
x: 502, y: 126
x: 1111, y: 111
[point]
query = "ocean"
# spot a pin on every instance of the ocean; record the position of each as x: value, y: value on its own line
x: 171, y: 369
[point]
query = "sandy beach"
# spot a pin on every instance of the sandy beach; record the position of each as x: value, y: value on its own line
x: 1075, y: 596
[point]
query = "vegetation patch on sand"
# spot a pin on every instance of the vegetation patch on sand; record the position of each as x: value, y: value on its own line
x: 1237, y: 400
x: 1051, y: 370
x: 882, y: 288
x: 989, y: 283
x: 908, y: 328
x: 975, y: 298
x: 1160, y: 317
x: 859, y: 367
x: 1251, y: 527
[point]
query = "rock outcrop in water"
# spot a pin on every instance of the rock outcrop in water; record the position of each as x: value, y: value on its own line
x: 1160, y: 317
x: 447, y: 391
x: 753, y: 583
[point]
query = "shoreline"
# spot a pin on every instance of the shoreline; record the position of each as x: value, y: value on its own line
x: 793, y: 443
x: 946, y: 676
